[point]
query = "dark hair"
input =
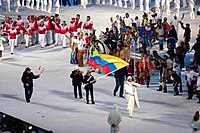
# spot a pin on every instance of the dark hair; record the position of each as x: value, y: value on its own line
x: 78, y: 15
x: 196, y: 116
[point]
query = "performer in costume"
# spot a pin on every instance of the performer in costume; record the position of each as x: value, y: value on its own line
x: 42, y: 32
x: 27, y: 34
x: 141, y: 5
x: 8, y: 5
x: 177, y: 7
x: 17, y: 5
x: 57, y: 4
x: 88, y: 25
x: 63, y: 32
x: 192, y: 8
x: 168, y: 7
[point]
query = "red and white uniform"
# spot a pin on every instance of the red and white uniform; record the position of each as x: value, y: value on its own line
x: 79, y: 25
x: 20, y: 24
x: 88, y: 26
x: 27, y: 35
x: 49, y: 35
x: 12, y: 35
x: 17, y: 35
x: 34, y: 26
x: 73, y: 28
x: 57, y: 30
x: 63, y: 32
x: 8, y: 26
x: 42, y: 32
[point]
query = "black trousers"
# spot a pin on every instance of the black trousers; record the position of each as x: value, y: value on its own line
x: 28, y: 93
x: 79, y: 90
x: 91, y: 94
x: 190, y: 91
x: 119, y: 83
x: 64, y: 2
x: 175, y: 85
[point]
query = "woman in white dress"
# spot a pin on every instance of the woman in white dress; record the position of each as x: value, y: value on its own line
x: 131, y: 95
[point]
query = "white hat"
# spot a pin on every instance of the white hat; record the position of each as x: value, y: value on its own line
x: 76, y: 68
x: 129, y: 77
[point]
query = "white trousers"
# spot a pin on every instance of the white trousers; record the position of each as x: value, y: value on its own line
x: 184, y: 3
x: 141, y: 5
x: 26, y: 37
x: 132, y: 4
x: 57, y: 38
x: 84, y: 3
x: 63, y: 40
x: 34, y: 37
x: 192, y: 6
x: 42, y: 40
x: 168, y: 7
x: 120, y: 3
x: 131, y: 105
x: 8, y: 5
x: 147, y: 6
x: 16, y: 40
x: 38, y: 5
x: 49, y: 5
x: 12, y: 45
x: 49, y: 39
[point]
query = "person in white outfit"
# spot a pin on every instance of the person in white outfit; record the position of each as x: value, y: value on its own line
x: 114, y: 119
x: 131, y: 95
x: 192, y: 8
x: 147, y: 5
x: 195, y: 123
x: 175, y: 23
x: 8, y: 5
x: 84, y: 3
x: 141, y: 5
x: 184, y: 3
x: 37, y: 4
x: 27, y: 34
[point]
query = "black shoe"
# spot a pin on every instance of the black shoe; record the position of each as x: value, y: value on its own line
x: 176, y: 94
x: 114, y: 94
x: 28, y: 101
x: 11, y: 53
x: 198, y: 102
x: 159, y: 90
x: 81, y: 97
x: 122, y: 96
x: 188, y: 98
x: 87, y: 102
x: 164, y: 91
x: 147, y: 86
x: 93, y: 102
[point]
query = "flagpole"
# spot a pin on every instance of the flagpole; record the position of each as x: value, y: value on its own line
x: 110, y: 73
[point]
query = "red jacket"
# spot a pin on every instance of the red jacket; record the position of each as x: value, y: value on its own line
x: 64, y: 29
x: 73, y: 28
x: 57, y: 28
x: 48, y: 25
x: 28, y: 31
x: 33, y: 25
x: 42, y: 30
x: 12, y: 33
x: 78, y: 23
x: 88, y: 25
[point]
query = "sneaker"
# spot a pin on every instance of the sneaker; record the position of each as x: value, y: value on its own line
x: 81, y: 97
x: 122, y: 96
x: 87, y: 102
x: 93, y: 102
x: 114, y: 94
x: 188, y: 98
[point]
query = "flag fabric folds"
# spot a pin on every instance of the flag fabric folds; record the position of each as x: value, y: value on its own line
x: 108, y: 63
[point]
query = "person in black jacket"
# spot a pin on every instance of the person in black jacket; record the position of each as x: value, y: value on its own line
x: 89, y: 80
x: 77, y: 79
x: 177, y: 81
x: 119, y: 78
x: 27, y: 80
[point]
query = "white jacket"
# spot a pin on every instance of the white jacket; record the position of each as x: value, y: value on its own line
x: 131, y: 91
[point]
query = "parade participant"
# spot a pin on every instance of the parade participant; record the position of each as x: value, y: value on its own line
x: 1, y: 45
x: 88, y: 25
x: 80, y: 54
x: 57, y: 31
x: 49, y: 6
x: 160, y: 32
x: 175, y: 23
x: 141, y: 5
x: 77, y: 79
x: 168, y: 7
x: 187, y: 35
x: 189, y: 77
x: 198, y: 12
x: 89, y: 80
x: 27, y: 80
x: 192, y: 8
x: 73, y: 27
x: 166, y: 27
x: 131, y: 95
x: 177, y: 7
x: 147, y: 5
x: 177, y: 81
x: 27, y: 34
x: 17, y: 5
x: 127, y: 20
x: 119, y: 78
x: 20, y: 24
x: 12, y: 37
x: 147, y: 67
x: 42, y: 32
x: 34, y: 27
x: 63, y: 32
x: 114, y: 119
x: 84, y: 3
x: 38, y: 4
x: 195, y: 123
x: 184, y: 3
x: 74, y: 47
x: 78, y: 23
x: 49, y: 28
